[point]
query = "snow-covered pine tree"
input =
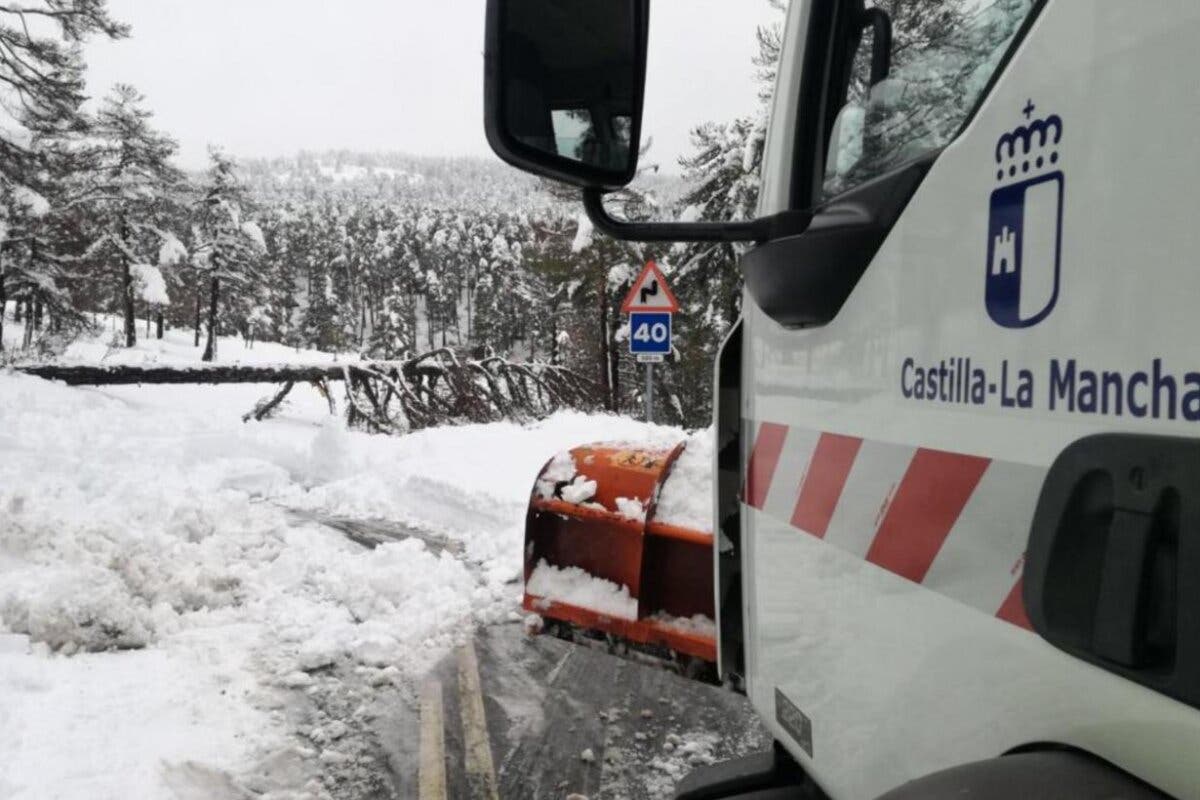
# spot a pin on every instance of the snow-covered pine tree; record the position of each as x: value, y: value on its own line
x: 29, y: 268
x: 722, y: 176
x: 132, y: 187
x: 41, y: 71
x: 228, y: 246
x: 596, y: 272
x: 41, y: 91
x: 172, y: 259
x: 321, y: 319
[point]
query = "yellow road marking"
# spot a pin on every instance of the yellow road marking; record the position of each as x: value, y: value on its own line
x: 481, y: 774
x: 433, y: 743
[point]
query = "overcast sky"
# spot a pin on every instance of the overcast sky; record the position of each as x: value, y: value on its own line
x: 271, y: 77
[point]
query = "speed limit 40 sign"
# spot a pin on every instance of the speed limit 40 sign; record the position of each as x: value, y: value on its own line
x: 649, y: 305
x: 649, y: 333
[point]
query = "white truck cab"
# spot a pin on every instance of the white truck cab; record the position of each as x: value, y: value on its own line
x: 958, y: 464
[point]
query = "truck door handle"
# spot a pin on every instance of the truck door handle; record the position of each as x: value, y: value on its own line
x: 1120, y: 602
x: 1112, y: 571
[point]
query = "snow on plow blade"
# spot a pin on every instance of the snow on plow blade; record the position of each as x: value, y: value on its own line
x: 597, y: 559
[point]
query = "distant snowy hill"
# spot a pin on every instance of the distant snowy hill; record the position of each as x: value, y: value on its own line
x: 396, y: 178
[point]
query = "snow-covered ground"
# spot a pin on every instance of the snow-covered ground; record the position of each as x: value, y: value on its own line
x: 174, y: 623
x: 105, y: 345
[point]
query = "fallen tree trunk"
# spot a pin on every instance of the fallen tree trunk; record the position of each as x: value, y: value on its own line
x: 381, y: 396
x: 119, y: 374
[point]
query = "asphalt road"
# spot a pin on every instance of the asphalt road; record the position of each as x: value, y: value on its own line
x: 545, y: 718
x: 513, y: 716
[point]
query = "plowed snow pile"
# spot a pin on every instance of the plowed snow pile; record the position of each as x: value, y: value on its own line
x: 171, y: 624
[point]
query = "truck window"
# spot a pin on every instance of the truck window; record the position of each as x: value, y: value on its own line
x: 943, y: 55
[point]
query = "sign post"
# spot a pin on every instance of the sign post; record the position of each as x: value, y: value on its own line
x: 650, y: 306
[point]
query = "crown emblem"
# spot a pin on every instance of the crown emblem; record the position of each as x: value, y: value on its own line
x: 1024, y: 245
x: 1029, y: 149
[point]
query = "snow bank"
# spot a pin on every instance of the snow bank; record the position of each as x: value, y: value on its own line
x: 104, y: 726
x: 81, y: 608
x: 135, y: 524
x: 575, y: 587
x: 164, y: 589
x: 470, y: 482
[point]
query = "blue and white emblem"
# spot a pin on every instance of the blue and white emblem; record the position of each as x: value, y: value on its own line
x: 1025, y: 226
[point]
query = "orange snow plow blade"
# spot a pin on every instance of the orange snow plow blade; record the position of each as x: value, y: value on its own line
x: 616, y: 570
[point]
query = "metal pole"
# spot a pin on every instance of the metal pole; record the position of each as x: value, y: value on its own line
x: 650, y: 391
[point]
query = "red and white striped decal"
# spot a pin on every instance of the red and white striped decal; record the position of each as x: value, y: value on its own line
x: 954, y: 523
x: 760, y: 467
x: 823, y: 482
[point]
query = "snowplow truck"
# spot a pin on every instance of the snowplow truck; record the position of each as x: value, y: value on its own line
x: 955, y: 539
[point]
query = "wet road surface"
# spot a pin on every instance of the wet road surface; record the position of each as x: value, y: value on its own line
x: 545, y: 718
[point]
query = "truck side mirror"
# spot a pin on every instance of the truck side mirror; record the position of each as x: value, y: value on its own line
x: 563, y: 83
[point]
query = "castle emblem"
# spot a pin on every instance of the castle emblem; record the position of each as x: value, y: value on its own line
x: 1025, y: 224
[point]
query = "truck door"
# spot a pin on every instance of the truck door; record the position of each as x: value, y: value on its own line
x: 999, y: 267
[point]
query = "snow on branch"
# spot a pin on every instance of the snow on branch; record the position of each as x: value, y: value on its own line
x: 152, y: 287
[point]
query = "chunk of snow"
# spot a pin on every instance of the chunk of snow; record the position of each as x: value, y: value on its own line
x: 575, y: 587
x: 72, y: 609
x: 682, y: 755
x: 255, y: 235
x: 318, y: 652
x: 151, y: 286
x: 171, y: 251
x: 583, y: 234
x: 587, y: 756
x: 620, y: 275
x: 33, y: 203
x: 631, y: 508
x: 698, y: 623
x: 561, y: 468
x: 580, y: 490
x: 753, y: 145
x: 296, y: 680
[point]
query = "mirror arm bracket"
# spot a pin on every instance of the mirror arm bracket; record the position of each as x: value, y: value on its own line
x: 757, y: 230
